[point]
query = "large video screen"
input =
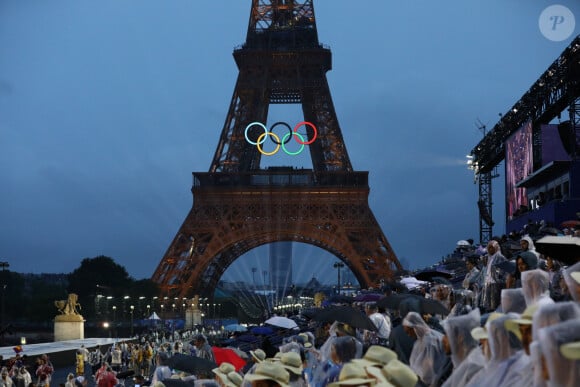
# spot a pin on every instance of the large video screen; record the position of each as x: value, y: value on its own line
x: 518, y: 165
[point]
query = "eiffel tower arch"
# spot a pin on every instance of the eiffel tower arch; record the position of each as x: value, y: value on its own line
x: 238, y: 206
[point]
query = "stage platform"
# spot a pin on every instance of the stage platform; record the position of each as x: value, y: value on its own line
x: 61, y: 353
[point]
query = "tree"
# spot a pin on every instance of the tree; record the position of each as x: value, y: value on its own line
x: 99, y: 272
x: 99, y: 275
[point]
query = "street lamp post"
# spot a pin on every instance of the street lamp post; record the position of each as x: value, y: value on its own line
x: 132, y: 309
x: 338, y: 266
x: 115, y: 320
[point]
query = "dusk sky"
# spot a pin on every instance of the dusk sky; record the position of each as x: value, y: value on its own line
x: 106, y: 107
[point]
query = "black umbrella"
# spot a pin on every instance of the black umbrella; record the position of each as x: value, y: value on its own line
x: 341, y: 299
x: 125, y: 374
x: 309, y: 312
x: 178, y: 383
x: 191, y: 364
x: 564, y: 249
x: 346, y: 314
x: 426, y: 275
x: 393, y: 301
x: 419, y: 304
x: 441, y: 280
x: 248, y: 338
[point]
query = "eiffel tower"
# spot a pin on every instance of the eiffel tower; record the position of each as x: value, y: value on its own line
x: 238, y: 206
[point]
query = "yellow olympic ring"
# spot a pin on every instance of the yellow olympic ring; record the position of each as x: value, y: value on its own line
x: 259, y: 143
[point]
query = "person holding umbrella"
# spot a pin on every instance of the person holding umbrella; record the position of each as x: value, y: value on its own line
x: 202, y: 348
x: 162, y: 371
x: 383, y: 324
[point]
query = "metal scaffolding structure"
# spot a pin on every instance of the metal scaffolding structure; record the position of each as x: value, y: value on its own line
x: 556, y: 90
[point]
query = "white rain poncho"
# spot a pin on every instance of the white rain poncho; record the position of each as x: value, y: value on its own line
x: 573, y: 286
x: 513, y: 301
x: 552, y: 314
x: 502, y: 345
x: 519, y: 373
x: 536, y: 359
x: 466, y: 355
x: 428, y: 355
x: 562, y: 372
x: 536, y: 287
x: 324, y: 352
x: 531, y: 246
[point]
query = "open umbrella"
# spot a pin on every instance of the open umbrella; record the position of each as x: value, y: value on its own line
x: 248, y: 339
x: 419, y: 304
x: 227, y: 355
x: 340, y: 299
x: 345, y: 314
x: 282, y: 322
x: 441, y: 281
x: 564, y: 248
x: 411, y: 282
x: 239, y: 352
x: 427, y: 275
x: 178, y: 383
x: 235, y: 328
x: 570, y: 224
x: 368, y: 297
x: 262, y: 330
x: 191, y: 364
x: 463, y: 243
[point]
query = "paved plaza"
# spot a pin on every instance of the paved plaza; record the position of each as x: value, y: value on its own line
x: 55, y: 347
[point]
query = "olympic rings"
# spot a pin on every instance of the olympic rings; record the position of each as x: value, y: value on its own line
x: 299, y: 138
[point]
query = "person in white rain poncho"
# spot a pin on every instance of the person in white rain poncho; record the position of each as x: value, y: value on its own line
x: 519, y: 372
x: 527, y: 244
x: 545, y: 316
x: 536, y: 359
x: 502, y: 345
x: 573, y: 284
x: 560, y: 370
x: 513, y: 300
x: 536, y: 287
x: 552, y: 314
x: 428, y: 355
x: 466, y: 355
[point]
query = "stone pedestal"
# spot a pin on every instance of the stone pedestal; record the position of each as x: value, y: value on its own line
x: 69, y: 327
x: 192, y: 318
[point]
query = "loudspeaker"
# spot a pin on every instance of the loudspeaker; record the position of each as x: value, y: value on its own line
x: 567, y: 136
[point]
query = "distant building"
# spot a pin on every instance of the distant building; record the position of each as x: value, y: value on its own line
x: 281, y: 265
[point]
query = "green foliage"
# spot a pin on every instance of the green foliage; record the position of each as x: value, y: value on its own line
x: 30, y: 297
x: 11, y: 289
x: 98, y: 275
x: 39, y: 306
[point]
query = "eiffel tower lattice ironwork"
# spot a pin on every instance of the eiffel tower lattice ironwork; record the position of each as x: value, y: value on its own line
x: 238, y: 206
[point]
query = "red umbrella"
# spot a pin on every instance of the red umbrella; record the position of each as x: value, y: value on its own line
x: 228, y: 355
x: 570, y: 223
